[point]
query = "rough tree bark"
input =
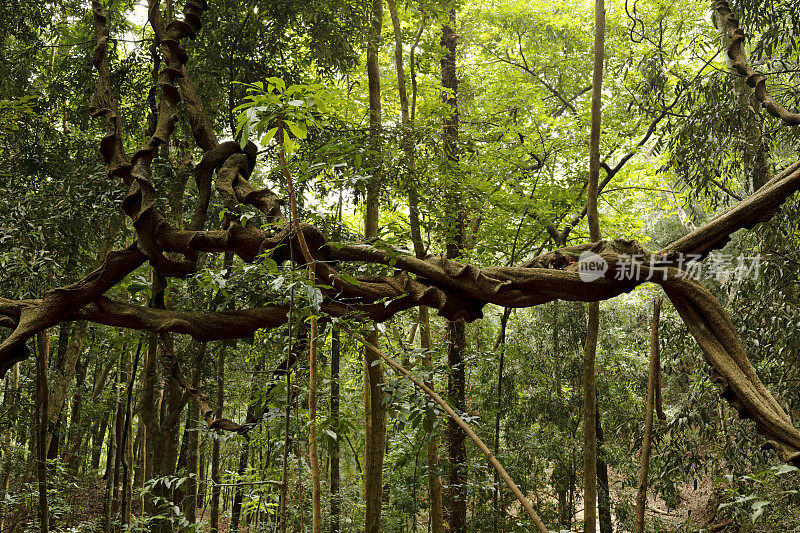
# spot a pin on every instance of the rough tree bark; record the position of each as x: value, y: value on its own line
x: 42, y: 362
x: 374, y: 413
x: 456, y: 515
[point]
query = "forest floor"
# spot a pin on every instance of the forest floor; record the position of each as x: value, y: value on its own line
x: 697, y: 508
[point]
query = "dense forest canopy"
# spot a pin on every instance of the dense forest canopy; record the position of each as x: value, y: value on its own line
x: 337, y: 265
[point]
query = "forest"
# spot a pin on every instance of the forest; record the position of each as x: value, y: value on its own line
x: 424, y: 266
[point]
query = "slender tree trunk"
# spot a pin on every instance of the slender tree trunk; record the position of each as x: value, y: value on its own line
x: 70, y: 347
x: 202, y: 468
x: 192, y: 463
x: 98, y: 437
x: 287, y: 440
x: 593, y: 325
x: 456, y: 242
x: 236, y: 511
x: 119, y: 434
x: 603, y: 494
x: 374, y: 414
x: 647, y: 438
x: 10, y: 407
x: 149, y: 417
x: 334, y: 447
x: 215, y: 476
x: 498, y: 416
x: 316, y: 505
x: 432, y: 451
x: 125, y: 443
x: 297, y: 454
x: 316, y: 508
x: 457, y: 515
x: 42, y: 361
x: 75, y: 431
x: 111, y: 454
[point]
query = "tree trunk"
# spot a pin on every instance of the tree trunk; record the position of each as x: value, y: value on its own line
x: 192, y: 464
x: 647, y: 438
x: 316, y: 505
x: 287, y: 440
x: 119, y: 435
x: 334, y: 448
x: 245, y: 453
x: 215, y: 477
x: 10, y: 407
x: 590, y: 349
x: 98, y: 437
x: 42, y: 360
x: 236, y: 509
x: 374, y: 414
x: 432, y: 452
x: 603, y: 494
x: 498, y: 416
x: 63, y: 372
x: 457, y: 452
x: 111, y: 455
x: 125, y: 443
x: 456, y: 241
x: 75, y: 431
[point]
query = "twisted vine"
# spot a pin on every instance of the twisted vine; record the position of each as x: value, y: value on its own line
x: 455, y: 289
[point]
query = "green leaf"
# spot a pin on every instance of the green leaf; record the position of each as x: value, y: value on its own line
x: 298, y: 129
x: 784, y: 469
x: 135, y: 287
x: 268, y: 136
x: 350, y: 279
x: 245, y: 134
x: 758, y: 509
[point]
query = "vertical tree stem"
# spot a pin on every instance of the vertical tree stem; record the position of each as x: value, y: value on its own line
x: 316, y: 508
x: 590, y: 349
x: 647, y: 438
x: 41, y: 436
x: 526, y: 504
